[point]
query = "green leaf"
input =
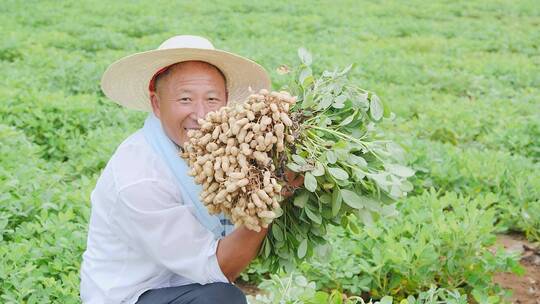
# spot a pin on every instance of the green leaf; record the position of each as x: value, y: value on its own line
x: 319, y: 169
x: 325, y: 199
x: 267, y: 248
x: 307, y: 102
x: 307, y: 81
x: 348, y: 119
x: 325, y: 102
x: 302, y: 249
x: 343, y: 155
x: 277, y: 233
x: 313, y: 216
x: 400, y: 170
x: 375, y: 108
x: 278, y: 211
x: 305, y: 77
x: 320, y: 297
x: 325, y: 121
x: 301, y: 200
x: 480, y: 295
x: 339, y: 102
x: 331, y: 157
x: 380, y: 179
x: 305, y: 56
x: 389, y: 210
x: 328, y: 185
x: 357, y: 160
x: 346, y: 69
x: 370, y: 203
x: 336, y: 297
x: 299, y: 159
x: 294, y: 167
x: 326, y: 213
x: 341, y: 145
x: 344, y: 222
x: 301, y: 280
x: 336, y: 201
x: 359, y: 174
x: 362, y: 101
x: 365, y: 216
x: 310, y: 182
x: 352, y: 199
x: 386, y: 300
x: 354, y: 228
x: 406, y: 186
x: 338, y: 173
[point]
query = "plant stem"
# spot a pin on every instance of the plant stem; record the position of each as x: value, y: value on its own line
x: 341, y: 135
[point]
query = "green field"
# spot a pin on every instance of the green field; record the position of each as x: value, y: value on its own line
x: 462, y: 77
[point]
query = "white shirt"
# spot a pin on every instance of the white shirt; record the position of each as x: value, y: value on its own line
x: 141, y: 236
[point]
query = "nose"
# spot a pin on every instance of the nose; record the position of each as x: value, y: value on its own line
x: 200, y: 109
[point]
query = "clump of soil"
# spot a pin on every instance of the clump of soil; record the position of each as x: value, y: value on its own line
x: 525, y: 289
x: 248, y: 288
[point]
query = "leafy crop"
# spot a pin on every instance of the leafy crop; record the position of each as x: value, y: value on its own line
x: 461, y: 76
x: 440, y: 241
x: 349, y: 167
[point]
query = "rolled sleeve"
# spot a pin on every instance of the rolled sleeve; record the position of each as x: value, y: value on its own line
x: 151, y: 218
x: 213, y: 269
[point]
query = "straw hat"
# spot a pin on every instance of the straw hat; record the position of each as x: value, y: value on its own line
x: 126, y: 81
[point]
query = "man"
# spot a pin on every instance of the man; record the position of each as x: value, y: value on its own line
x: 150, y: 240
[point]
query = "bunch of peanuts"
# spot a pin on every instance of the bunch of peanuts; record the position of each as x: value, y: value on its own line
x: 232, y: 155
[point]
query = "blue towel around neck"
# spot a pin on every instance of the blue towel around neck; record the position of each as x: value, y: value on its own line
x: 169, y: 152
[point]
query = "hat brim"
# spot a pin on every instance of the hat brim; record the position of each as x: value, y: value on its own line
x: 126, y: 80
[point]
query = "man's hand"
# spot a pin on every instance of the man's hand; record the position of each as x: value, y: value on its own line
x: 237, y: 250
x: 293, y: 180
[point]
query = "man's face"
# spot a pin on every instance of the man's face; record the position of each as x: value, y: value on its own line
x: 188, y: 92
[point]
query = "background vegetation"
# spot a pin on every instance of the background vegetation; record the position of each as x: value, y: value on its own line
x: 462, y: 78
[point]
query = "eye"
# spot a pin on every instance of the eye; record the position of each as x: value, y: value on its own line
x: 184, y: 99
x: 213, y: 99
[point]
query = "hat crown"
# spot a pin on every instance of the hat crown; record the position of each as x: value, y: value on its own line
x: 186, y: 41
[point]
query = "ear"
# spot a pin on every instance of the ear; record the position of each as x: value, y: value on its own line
x: 154, y: 100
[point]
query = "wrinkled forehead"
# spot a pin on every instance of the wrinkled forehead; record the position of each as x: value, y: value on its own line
x: 188, y: 70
